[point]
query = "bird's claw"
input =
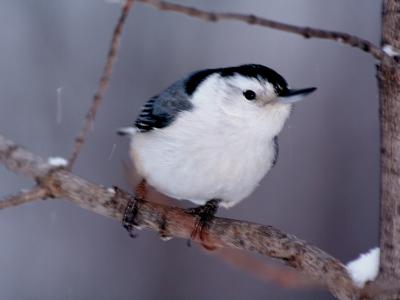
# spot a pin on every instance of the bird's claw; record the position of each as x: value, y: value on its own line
x: 205, y: 215
x: 129, y: 219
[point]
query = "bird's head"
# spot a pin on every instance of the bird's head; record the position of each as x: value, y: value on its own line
x: 246, y: 90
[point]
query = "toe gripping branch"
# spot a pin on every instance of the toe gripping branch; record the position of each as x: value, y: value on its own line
x: 205, y: 215
x: 129, y: 219
x: 132, y: 208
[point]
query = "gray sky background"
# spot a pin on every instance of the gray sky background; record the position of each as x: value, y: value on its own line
x: 324, y: 188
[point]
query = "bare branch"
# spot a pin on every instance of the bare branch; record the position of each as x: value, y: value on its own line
x: 23, y: 197
x: 389, y: 113
x: 223, y: 233
x: 103, y: 84
x: 306, y: 32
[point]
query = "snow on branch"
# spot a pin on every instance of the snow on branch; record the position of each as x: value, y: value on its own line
x: 365, y: 267
x: 57, y: 161
x: 390, y: 50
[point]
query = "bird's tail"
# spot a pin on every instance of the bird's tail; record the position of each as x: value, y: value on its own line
x: 127, y: 131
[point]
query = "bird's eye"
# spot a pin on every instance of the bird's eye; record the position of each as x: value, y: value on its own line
x: 249, y: 94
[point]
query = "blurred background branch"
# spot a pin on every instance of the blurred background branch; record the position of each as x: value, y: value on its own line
x: 103, y: 84
x: 36, y: 193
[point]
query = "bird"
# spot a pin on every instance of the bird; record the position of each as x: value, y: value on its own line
x: 211, y: 136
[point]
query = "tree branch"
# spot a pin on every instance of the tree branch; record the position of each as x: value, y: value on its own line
x: 223, y: 233
x: 389, y: 115
x: 103, y: 84
x: 306, y: 32
x: 23, y: 197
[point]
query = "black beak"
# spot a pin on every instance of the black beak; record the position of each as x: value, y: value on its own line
x: 291, y: 95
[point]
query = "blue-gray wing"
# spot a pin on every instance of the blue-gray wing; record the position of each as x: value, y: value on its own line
x: 149, y: 118
x: 161, y: 110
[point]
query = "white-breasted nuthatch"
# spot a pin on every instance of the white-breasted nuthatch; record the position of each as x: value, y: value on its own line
x: 213, y: 134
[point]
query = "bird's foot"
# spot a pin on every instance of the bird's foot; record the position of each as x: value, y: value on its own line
x: 205, y: 215
x: 129, y: 219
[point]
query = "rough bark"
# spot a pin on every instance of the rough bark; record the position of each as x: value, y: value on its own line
x: 389, y: 94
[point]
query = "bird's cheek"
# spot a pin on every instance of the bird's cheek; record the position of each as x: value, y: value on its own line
x: 226, y: 106
x: 231, y: 110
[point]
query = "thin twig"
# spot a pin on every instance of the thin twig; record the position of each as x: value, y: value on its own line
x: 103, y: 84
x: 23, y: 197
x: 307, y: 32
x: 173, y: 221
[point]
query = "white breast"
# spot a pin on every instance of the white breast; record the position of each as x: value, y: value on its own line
x: 214, y: 151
